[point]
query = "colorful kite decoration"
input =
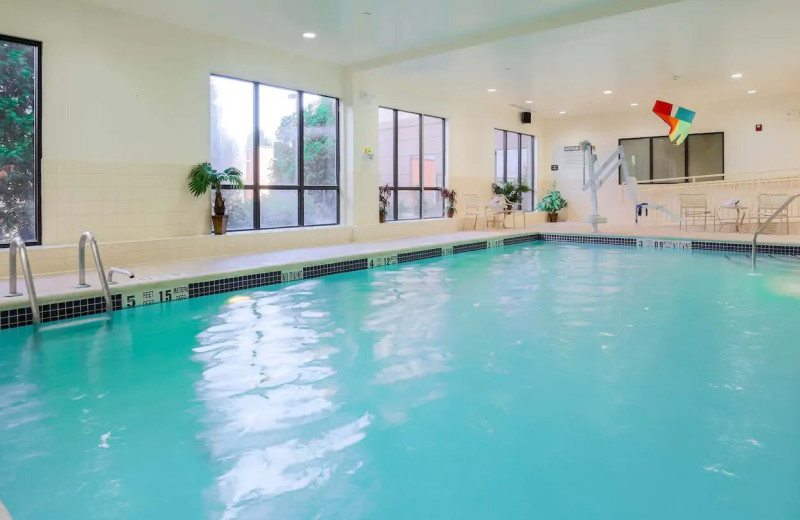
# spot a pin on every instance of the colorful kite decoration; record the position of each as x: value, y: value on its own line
x: 679, y: 124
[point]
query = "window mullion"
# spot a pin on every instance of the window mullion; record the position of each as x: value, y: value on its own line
x: 421, y: 160
x: 256, y: 159
x: 301, y: 181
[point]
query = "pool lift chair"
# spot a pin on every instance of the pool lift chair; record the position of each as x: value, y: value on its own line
x: 596, y: 177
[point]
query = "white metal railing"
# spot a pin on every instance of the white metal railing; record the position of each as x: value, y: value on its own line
x: 745, y: 187
x: 17, y: 244
x: 763, y: 226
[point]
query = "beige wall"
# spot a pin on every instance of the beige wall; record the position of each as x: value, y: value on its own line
x: 775, y: 148
x: 126, y: 113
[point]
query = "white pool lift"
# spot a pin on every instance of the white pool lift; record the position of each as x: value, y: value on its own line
x: 596, y: 177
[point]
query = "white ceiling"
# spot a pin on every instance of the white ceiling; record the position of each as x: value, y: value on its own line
x: 346, y: 36
x: 636, y: 55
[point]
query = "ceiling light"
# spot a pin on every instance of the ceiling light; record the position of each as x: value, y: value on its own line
x: 634, y: 104
x: 492, y: 90
x: 608, y: 92
x: 366, y: 13
x: 529, y: 102
x: 309, y: 35
x: 563, y: 112
x: 752, y: 91
x: 736, y: 76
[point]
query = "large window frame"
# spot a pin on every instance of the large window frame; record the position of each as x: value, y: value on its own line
x: 301, y: 188
x: 518, y: 179
x: 37, y: 139
x: 686, y: 161
x: 394, y: 187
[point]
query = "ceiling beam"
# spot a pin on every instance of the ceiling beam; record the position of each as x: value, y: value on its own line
x: 563, y: 19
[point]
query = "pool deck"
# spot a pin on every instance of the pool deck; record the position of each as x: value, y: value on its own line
x: 57, y: 287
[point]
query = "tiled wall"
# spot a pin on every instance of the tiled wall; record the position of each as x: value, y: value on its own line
x: 119, y: 202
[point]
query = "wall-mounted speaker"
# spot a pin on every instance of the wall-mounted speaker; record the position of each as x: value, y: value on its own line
x: 527, y: 118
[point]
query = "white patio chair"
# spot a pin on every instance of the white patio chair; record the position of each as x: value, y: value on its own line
x: 473, y: 208
x: 513, y: 209
x: 693, y: 206
x: 768, y: 204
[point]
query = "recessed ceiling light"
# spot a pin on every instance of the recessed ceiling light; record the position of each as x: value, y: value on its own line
x: 752, y: 91
x: 634, y: 104
x: 563, y: 112
x: 529, y: 102
x: 492, y: 90
x: 608, y: 92
x: 309, y: 35
x: 736, y: 76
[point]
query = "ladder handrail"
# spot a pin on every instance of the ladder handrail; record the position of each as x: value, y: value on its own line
x: 772, y: 217
x: 98, y: 262
x: 17, y: 244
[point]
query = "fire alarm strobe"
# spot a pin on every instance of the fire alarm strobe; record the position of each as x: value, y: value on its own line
x: 758, y: 128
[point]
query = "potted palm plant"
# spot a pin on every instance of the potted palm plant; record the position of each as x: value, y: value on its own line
x: 551, y: 204
x: 383, y: 202
x: 511, y: 190
x: 202, y: 177
x: 449, y: 197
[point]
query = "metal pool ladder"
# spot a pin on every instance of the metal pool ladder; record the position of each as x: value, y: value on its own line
x: 17, y: 244
x: 98, y: 262
x: 754, y: 252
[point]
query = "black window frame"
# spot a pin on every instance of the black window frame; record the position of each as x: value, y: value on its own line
x: 675, y: 180
x: 256, y: 187
x: 394, y: 189
x: 518, y: 180
x: 37, y: 140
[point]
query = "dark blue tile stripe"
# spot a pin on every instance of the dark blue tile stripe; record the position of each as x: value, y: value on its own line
x: 316, y: 271
x: 235, y: 283
x: 510, y: 241
x: 591, y: 239
x: 419, y: 255
x: 472, y: 246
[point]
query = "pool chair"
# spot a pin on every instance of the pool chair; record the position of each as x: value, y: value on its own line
x: 768, y: 204
x: 472, y: 208
x: 694, y: 206
x: 513, y: 209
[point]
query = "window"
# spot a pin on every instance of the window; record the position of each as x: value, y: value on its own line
x: 657, y: 159
x: 20, y: 140
x: 285, y: 142
x: 514, y: 160
x: 411, y: 155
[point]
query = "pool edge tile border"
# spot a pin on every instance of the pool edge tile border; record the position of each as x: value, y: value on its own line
x: 165, y: 290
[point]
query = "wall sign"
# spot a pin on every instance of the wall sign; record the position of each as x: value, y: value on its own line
x: 553, y: 167
x: 292, y: 276
x: 663, y: 244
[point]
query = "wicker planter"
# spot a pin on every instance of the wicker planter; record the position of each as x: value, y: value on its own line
x: 451, y: 212
x: 382, y: 217
x: 552, y: 217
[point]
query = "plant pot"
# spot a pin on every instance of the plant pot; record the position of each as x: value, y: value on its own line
x: 220, y: 223
x: 552, y: 217
x: 382, y: 218
x: 451, y: 212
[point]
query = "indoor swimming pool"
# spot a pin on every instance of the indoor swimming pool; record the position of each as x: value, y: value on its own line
x: 541, y: 380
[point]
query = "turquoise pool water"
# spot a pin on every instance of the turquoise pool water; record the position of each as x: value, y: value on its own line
x: 536, y: 381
